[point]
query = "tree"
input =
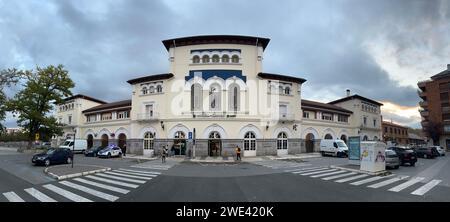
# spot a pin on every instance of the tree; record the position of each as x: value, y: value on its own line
x: 434, y: 131
x: 7, y: 78
x: 44, y: 88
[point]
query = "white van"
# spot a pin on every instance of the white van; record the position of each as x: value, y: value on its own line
x: 80, y: 145
x: 333, y: 147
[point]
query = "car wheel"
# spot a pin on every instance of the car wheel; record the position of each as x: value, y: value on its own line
x: 109, y: 155
x: 47, y: 162
x: 69, y: 160
x: 425, y: 156
x: 413, y: 163
x: 323, y: 153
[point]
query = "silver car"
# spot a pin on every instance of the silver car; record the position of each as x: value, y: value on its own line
x: 392, y: 159
x: 440, y: 150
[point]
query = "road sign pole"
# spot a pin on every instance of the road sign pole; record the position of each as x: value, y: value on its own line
x: 193, y: 139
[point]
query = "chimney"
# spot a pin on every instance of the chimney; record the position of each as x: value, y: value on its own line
x: 448, y: 67
x: 348, y: 92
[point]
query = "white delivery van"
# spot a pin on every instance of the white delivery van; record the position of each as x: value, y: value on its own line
x: 333, y: 147
x: 80, y: 145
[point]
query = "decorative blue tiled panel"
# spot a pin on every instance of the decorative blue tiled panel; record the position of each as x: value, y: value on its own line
x: 224, y: 74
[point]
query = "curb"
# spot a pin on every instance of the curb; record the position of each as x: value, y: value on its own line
x: 381, y: 173
x: 67, y: 176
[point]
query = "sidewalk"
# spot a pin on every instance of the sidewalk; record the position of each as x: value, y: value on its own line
x: 254, y: 158
x: 212, y: 159
x: 61, y: 172
x: 139, y: 157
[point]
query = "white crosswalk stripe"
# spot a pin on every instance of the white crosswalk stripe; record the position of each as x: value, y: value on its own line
x: 120, y: 178
x: 13, y: 197
x: 104, y: 186
x: 140, y: 171
x: 39, y: 195
x: 310, y: 170
x: 387, y: 182
x: 90, y: 191
x: 112, y: 181
x: 137, y: 174
x: 338, y: 176
x: 328, y: 174
x: 67, y: 194
x: 351, y: 178
x: 317, y: 172
x: 150, y: 167
x: 406, y: 184
x: 301, y: 169
x: 372, y: 179
x: 130, y: 176
x: 427, y: 187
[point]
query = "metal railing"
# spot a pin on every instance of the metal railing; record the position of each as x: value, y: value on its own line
x: 148, y: 116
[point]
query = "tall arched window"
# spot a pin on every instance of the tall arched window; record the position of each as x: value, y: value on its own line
x: 215, y: 97
x: 233, y: 97
x: 235, y: 59
x: 144, y: 90
x: 159, y: 88
x: 250, y: 141
x: 282, y: 141
x: 179, y: 135
x: 196, y: 97
x: 215, y: 58
x: 148, y: 140
x: 365, y: 138
x: 287, y: 91
x: 328, y: 137
x: 225, y: 59
x: 205, y: 59
x: 196, y: 59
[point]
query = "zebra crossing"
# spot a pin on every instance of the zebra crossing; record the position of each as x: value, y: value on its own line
x: 156, y: 165
x: 106, y: 186
x: 398, y: 182
x: 392, y: 183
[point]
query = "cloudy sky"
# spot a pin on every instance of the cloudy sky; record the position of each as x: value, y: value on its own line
x: 378, y: 49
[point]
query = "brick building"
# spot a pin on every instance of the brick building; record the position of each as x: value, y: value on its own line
x: 395, y: 133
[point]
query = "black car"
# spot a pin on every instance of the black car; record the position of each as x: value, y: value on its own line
x: 53, y: 156
x: 93, y: 151
x: 427, y: 152
x: 405, y: 155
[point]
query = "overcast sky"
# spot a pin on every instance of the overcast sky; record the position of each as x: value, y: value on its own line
x: 377, y: 49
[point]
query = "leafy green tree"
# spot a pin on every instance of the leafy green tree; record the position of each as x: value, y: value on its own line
x: 44, y: 88
x: 7, y: 78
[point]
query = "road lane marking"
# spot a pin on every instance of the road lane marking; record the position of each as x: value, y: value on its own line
x: 104, y: 186
x: 387, y: 182
x: 427, y: 187
x: 310, y: 170
x: 69, y: 195
x: 39, y: 195
x: 113, y: 181
x: 88, y: 190
x: 368, y: 180
x: 301, y: 169
x: 317, y: 172
x: 120, y: 178
x: 140, y: 171
x: 148, y: 167
x: 339, y: 176
x: 406, y: 184
x: 137, y: 174
x: 352, y: 178
x: 13, y: 197
x: 130, y: 176
x: 328, y: 174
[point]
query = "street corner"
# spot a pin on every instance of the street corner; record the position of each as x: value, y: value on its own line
x: 61, y: 172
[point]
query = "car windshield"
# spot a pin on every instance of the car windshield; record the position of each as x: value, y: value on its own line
x: 68, y: 143
x: 341, y: 144
x: 50, y: 151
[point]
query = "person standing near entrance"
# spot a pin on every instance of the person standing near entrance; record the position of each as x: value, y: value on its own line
x: 163, y: 154
x: 238, y: 153
x: 124, y: 151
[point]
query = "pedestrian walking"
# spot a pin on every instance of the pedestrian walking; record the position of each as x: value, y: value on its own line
x: 163, y: 154
x: 124, y: 149
x: 238, y: 153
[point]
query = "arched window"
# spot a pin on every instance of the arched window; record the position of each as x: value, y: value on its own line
x: 250, y: 141
x: 148, y: 140
x: 179, y: 135
x: 152, y: 89
x: 214, y: 135
x: 215, y: 58
x: 144, y: 90
x: 287, y: 91
x: 196, y: 59
x: 375, y: 138
x: 328, y: 137
x: 215, y: 97
x: 225, y: 59
x: 282, y: 141
x: 205, y: 59
x: 159, y: 88
x: 233, y: 97
x: 235, y: 59
x: 196, y: 97
x: 365, y: 138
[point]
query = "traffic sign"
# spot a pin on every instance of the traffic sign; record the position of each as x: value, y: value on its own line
x: 190, y: 135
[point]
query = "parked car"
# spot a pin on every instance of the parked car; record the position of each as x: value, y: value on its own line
x: 110, y: 151
x: 46, y: 144
x: 333, y: 147
x: 80, y: 145
x: 427, y: 152
x: 405, y: 155
x: 392, y: 159
x: 440, y: 150
x: 93, y: 151
x: 53, y: 156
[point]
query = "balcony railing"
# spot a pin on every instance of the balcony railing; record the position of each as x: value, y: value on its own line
x: 422, y: 84
x: 425, y: 123
x: 421, y: 94
x: 423, y: 103
x: 148, y: 116
x: 424, y: 113
x: 287, y: 117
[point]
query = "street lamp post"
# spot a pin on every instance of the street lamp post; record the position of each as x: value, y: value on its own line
x: 73, y: 147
